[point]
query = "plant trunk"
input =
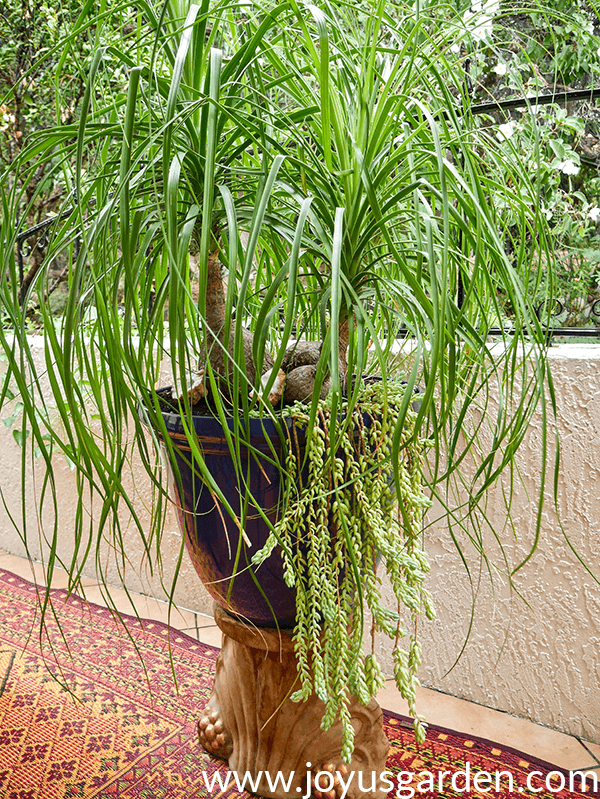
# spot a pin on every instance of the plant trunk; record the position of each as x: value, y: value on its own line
x: 216, y: 346
x: 300, y: 360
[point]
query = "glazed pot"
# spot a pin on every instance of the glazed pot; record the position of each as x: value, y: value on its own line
x: 220, y: 555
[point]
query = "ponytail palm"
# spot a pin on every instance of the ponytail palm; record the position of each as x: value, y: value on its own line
x: 405, y: 233
x: 319, y: 159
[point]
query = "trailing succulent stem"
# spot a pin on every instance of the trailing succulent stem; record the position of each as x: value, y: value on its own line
x: 341, y: 520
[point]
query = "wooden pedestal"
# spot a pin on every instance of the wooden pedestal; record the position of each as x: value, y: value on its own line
x: 251, y: 722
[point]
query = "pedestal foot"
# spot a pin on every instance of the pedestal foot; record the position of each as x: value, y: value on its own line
x: 335, y: 776
x: 212, y: 733
x: 251, y: 722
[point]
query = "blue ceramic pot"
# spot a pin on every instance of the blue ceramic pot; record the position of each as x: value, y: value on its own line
x: 220, y: 556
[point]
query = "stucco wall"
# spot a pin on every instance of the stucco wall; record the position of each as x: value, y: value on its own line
x: 533, y: 651
x: 148, y: 574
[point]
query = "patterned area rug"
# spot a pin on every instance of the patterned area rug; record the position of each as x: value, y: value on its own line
x: 107, y: 727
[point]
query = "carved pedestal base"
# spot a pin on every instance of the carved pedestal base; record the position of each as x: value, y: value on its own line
x: 251, y: 722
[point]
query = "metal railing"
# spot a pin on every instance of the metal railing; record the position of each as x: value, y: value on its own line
x: 590, y: 312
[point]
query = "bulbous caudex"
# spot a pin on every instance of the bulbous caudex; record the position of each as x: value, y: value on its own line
x: 297, y: 375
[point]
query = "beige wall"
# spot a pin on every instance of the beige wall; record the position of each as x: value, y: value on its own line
x: 539, y: 660
x: 152, y: 576
x: 536, y: 655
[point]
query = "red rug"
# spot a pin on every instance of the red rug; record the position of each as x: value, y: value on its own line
x: 114, y: 729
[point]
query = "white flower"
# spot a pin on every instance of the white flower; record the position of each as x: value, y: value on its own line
x: 506, y: 130
x: 598, y: 52
x: 482, y: 31
x: 455, y: 48
x: 594, y: 214
x: 479, y: 19
x: 500, y: 68
x: 569, y: 167
x: 547, y: 213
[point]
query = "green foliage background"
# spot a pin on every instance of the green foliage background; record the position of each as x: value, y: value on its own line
x: 529, y: 49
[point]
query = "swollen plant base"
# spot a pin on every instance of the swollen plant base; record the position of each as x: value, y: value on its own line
x: 251, y: 721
